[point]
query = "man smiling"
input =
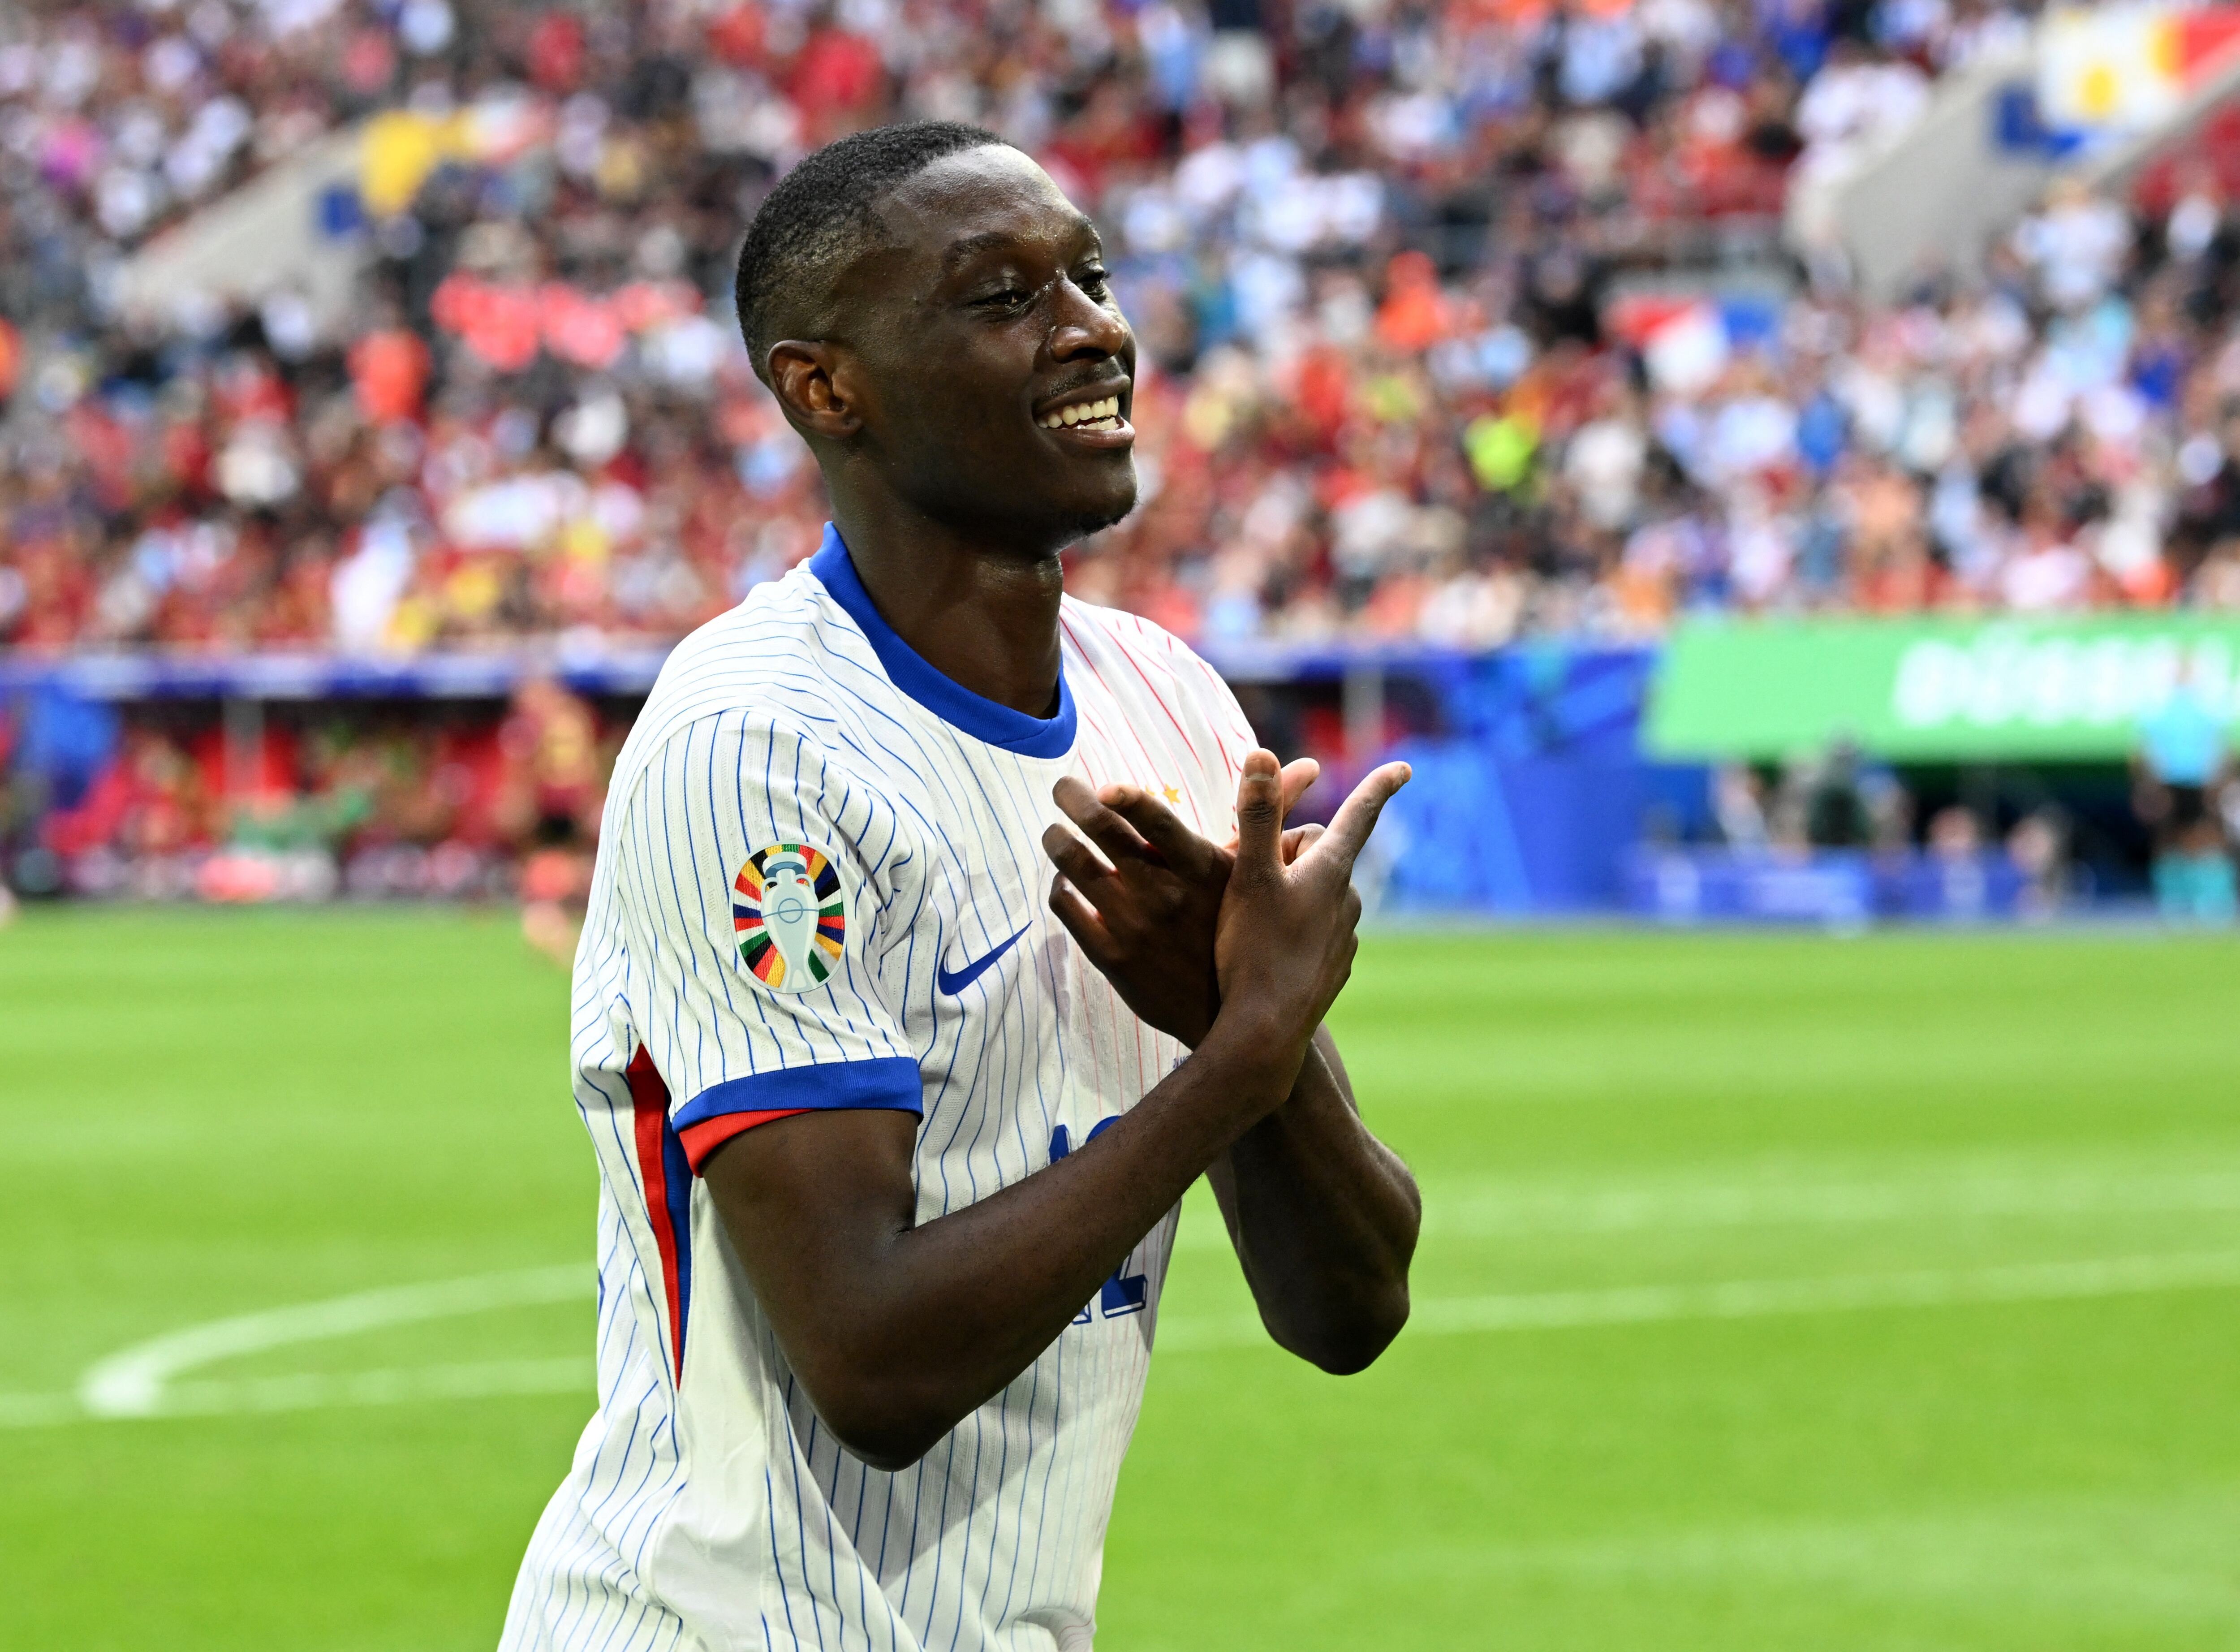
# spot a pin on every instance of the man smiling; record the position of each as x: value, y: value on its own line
x: 891, y: 1128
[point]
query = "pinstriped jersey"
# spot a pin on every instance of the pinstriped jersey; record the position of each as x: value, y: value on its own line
x: 820, y: 885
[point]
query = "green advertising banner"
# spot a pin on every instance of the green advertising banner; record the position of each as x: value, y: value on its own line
x: 2071, y: 689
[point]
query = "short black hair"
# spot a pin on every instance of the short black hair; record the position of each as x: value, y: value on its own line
x: 823, y: 213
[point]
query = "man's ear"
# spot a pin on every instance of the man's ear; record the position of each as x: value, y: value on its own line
x: 808, y: 377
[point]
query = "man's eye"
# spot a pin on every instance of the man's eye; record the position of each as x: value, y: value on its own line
x: 1009, y: 298
x: 1092, y: 282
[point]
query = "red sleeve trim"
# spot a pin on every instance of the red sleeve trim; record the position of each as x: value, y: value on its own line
x: 704, y: 1138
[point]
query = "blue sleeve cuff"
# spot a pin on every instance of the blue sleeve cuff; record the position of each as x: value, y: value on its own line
x: 886, y: 1082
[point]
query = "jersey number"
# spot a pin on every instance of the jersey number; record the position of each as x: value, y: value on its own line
x: 1124, y: 1293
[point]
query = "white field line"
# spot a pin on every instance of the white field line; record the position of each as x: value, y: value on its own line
x: 133, y: 1384
x: 565, y: 1376
x: 1765, y: 1298
x: 318, y: 1390
x: 1486, y: 1210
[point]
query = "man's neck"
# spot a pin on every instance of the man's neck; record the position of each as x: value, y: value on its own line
x: 985, y: 619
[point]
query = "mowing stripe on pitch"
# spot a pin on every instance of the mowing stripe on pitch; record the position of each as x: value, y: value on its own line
x: 138, y: 1382
x: 1487, y: 1207
x: 38, y: 1410
x: 1767, y: 1298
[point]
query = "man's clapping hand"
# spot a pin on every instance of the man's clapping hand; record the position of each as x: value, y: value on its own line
x: 1148, y: 912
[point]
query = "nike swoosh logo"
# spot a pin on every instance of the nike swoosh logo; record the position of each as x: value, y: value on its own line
x: 953, y: 984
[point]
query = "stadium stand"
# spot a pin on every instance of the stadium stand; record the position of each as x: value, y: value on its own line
x: 1464, y: 324
x: 1442, y: 355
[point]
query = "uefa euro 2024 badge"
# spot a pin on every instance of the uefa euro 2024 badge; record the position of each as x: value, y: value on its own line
x: 790, y: 909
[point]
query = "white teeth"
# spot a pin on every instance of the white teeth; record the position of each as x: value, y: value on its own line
x: 1104, y: 412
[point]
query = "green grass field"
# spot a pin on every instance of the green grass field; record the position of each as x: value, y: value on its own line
x: 1777, y: 1292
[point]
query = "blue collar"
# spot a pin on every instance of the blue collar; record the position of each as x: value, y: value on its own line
x: 952, y: 702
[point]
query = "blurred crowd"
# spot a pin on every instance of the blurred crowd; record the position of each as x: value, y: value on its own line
x: 1841, y: 800
x: 1442, y: 332
x: 478, y: 802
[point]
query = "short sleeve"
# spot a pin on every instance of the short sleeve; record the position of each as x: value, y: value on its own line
x: 748, y: 873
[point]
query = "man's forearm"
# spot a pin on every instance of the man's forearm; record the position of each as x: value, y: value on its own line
x: 1324, y: 1218
x: 900, y: 1335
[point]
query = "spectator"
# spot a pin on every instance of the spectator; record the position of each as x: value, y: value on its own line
x: 1842, y: 800
x: 2183, y: 759
x: 2037, y: 847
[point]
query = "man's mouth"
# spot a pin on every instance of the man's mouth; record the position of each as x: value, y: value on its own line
x: 1102, y: 415
x: 1094, y: 413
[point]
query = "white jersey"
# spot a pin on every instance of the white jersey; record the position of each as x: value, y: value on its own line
x: 820, y: 884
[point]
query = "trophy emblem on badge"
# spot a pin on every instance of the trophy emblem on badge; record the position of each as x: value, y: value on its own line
x: 790, y: 914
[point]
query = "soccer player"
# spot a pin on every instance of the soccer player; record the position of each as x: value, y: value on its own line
x: 891, y: 1127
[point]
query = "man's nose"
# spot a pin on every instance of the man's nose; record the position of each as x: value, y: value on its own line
x: 1085, y: 328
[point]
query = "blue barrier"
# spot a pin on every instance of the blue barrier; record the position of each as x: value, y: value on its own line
x: 1839, y: 887
x: 1533, y: 797
x: 62, y: 743
x: 593, y: 669
x: 1527, y: 798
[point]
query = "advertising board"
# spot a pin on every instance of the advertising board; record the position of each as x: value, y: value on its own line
x: 2068, y: 689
